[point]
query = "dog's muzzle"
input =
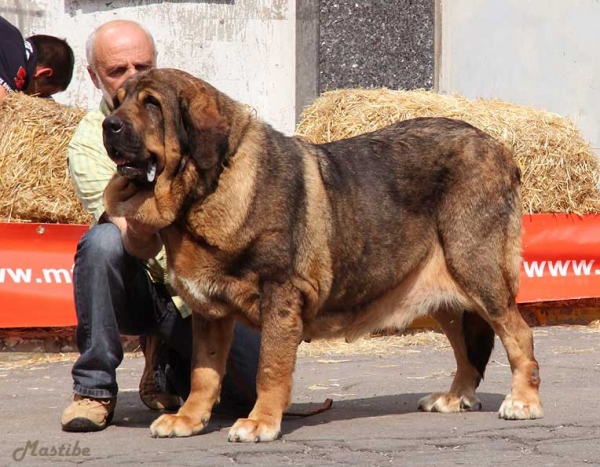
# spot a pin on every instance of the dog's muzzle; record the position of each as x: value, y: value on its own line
x: 124, y: 148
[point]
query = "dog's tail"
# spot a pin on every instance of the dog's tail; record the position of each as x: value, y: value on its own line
x: 479, y: 340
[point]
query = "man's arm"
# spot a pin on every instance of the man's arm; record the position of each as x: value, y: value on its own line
x: 13, y: 68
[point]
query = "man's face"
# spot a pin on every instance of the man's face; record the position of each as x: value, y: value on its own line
x: 120, y: 53
x: 42, y: 90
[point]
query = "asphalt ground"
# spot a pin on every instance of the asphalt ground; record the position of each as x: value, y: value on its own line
x: 375, y: 386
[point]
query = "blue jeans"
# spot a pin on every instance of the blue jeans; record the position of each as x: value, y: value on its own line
x: 114, y: 295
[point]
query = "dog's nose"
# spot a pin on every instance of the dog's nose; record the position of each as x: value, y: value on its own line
x: 113, y: 124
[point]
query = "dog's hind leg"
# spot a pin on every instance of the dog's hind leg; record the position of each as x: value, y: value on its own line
x: 523, y: 402
x: 472, y: 340
x: 490, y: 277
x: 496, y: 304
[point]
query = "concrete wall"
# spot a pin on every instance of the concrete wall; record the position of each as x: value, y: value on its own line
x: 536, y: 52
x: 376, y: 43
x: 277, y: 55
x: 245, y: 48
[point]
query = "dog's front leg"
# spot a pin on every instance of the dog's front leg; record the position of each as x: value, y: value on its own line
x: 281, y: 322
x: 211, y: 343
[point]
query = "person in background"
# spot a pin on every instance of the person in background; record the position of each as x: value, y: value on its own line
x: 40, y: 65
x: 116, y: 293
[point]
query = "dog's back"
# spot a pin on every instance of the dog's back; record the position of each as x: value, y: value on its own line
x: 415, y: 213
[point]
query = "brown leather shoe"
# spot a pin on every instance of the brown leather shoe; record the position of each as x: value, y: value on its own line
x: 151, y: 395
x: 88, y: 414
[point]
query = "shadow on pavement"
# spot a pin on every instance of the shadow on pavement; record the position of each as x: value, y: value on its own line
x: 131, y: 413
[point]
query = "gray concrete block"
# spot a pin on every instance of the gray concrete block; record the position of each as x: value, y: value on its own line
x: 376, y: 43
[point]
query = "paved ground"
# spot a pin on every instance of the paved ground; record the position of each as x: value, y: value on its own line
x: 373, y: 421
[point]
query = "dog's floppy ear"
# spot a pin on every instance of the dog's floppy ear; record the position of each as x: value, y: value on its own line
x: 204, y: 132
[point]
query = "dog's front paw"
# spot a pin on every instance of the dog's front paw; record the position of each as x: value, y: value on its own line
x: 515, y: 409
x: 449, y: 403
x: 176, y: 426
x: 247, y: 430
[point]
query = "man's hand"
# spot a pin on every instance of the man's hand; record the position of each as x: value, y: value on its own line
x: 139, y: 240
x: 118, y: 191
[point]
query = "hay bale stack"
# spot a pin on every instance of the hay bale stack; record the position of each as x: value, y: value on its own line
x: 35, y: 185
x: 560, y: 172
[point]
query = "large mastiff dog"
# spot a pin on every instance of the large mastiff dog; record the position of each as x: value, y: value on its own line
x: 312, y: 241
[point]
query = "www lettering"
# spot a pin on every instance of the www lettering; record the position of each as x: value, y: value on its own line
x: 28, y: 276
x: 15, y: 275
x: 560, y: 268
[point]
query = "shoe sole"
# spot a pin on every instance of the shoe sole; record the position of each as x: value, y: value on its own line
x: 172, y: 408
x: 82, y: 425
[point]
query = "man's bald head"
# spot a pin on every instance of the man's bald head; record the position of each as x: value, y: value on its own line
x: 115, y: 51
x: 113, y: 29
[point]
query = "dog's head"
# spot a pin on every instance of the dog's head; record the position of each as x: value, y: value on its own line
x: 169, y: 136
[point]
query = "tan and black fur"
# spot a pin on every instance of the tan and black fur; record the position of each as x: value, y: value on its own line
x: 312, y: 241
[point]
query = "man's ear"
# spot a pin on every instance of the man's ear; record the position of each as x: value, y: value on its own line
x: 94, y: 77
x: 204, y: 130
x: 42, y: 72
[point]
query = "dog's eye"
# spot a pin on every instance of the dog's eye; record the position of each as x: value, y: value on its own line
x: 151, y: 101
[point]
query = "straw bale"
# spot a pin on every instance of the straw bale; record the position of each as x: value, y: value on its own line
x: 375, y: 345
x: 560, y: 173
x: 35, y: 185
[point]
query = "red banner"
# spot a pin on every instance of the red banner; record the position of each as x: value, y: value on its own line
x: 36, y: 274
x: 561, y: 261
x: 561, y: 257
